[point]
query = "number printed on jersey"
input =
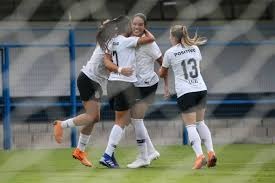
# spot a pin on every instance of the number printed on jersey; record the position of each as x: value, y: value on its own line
x: 190, y: 70
x: 115, y: 57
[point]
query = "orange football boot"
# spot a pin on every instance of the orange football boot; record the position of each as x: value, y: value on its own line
x: 199, y: 162
x: 58, y: 131
x: 212, y: 159
x: 82, y: 157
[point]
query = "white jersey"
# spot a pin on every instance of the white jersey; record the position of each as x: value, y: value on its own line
x: 185, y: 62
x: 95, y: 68
x: 123, y: 55
x: 146, y: 55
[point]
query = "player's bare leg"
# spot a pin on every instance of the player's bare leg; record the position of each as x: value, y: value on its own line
x: 92, y: 115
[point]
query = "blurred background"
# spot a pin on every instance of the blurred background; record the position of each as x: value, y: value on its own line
x: 45, y: 43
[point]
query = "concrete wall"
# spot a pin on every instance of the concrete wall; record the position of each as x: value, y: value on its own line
x: 224, y: 131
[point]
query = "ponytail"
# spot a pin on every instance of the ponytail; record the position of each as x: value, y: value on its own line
x: 182, y: 36
x: 111, y: 29
x: 105, y: 33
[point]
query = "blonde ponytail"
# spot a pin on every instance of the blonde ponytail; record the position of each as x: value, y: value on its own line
x: 181, y: 34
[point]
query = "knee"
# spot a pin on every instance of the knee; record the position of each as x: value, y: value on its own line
x: 93, y: 118
x: 96, y: 118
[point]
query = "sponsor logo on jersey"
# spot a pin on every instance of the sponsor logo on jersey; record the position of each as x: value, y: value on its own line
x: 115, y: 43
x: 184, y: 51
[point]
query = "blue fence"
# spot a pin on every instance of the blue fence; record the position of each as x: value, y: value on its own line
x: 5, y: 53
x: 6, y: 88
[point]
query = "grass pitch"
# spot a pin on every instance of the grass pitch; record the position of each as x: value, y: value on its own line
x: 236, y: 164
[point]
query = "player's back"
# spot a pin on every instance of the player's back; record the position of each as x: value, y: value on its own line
x: 95, y: 68
x: 122, y: 50
x: 185, y: 62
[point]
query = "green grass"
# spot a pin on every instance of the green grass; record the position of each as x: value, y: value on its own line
x: 236, y: 164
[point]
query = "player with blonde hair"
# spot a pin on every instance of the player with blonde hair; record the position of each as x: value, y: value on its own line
x: 184, y: 58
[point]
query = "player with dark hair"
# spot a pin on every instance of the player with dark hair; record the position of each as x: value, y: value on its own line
x: 146, y: 86
x: 120, y: 48
x: 89, y: 83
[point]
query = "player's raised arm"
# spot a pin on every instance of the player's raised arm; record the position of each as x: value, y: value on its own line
x: 147, y: 38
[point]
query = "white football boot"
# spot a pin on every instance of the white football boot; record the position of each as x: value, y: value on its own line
x: 138, y: 163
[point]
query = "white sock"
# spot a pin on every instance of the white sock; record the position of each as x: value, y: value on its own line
x: 150, y: 147
x: 123, y: 131
x: 68, y: 123
x: 205, y: 135
x: 140, y: 137
x: 83, y: 141
x: 194, y: 139
x: 114, y: 138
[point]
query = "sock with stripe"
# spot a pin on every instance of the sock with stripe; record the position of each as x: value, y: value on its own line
x: 140, y: 137
x: 83, y: 141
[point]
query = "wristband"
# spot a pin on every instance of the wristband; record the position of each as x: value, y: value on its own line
x: 119, y: 70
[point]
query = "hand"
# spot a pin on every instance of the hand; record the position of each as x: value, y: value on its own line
x: 149, y: 34
x: 127, y: 71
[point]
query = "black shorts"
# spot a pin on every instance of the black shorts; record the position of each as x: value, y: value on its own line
x: 190, y: 102
x: 146, y: 94
x: 88, y: 89
x: 121, y: 95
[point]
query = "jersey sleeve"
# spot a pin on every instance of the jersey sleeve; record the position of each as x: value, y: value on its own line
x: 154, y: 51
x: 166, y: 60
x: 198, y: 52
x: 131, y: 41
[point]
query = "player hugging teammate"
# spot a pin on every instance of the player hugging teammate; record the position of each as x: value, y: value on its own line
x: 128, y: 50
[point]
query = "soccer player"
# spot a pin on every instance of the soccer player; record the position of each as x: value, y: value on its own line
x: 89, y: 82
x: 114, y: 38
x: 146, y: 85
x: 184, y: 57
